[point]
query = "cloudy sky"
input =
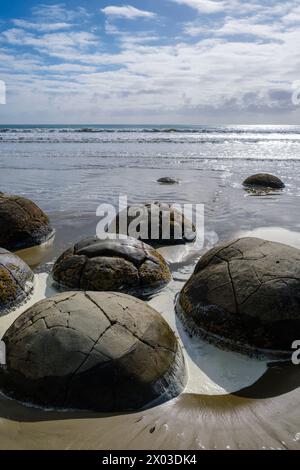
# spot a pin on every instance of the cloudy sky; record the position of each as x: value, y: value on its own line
x: 150, y: 61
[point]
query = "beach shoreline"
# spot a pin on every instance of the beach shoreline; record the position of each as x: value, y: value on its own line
x: 225, y: 390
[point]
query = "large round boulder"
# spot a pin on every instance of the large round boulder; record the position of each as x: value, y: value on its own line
x: 16, y: 281
x: 92, y: 351
x: 123, y: 265
x: 264, y: 180
x: 22, y: 223
x: 245, y: 295
x: 155, y: 223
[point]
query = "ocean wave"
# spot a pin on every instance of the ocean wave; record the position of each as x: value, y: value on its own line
x: 158, y: 140
x: 282, y: 130
x: 204, y: 135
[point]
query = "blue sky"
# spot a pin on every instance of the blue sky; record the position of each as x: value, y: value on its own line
x: 158, y: 61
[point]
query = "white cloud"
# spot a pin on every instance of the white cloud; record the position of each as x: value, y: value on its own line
x: 58, y: 12
x: 55, y: 43
x: 66, y: 68
x: 292, y: 17
x: 43, y: 27
x: 243, y: 65
x: 236, y: 7
x: 193, y: 29
x: 249, y: 27
x: 204, y: 6
x: 127, y: 12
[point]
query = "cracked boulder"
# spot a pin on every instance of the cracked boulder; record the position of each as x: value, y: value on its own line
x: 22, y: 223
x: 97, y: 351
x: 127, y: 265
x: 245, y: 295
x: 16, y: 281
x: 155, y: 223
x: 264, y: 180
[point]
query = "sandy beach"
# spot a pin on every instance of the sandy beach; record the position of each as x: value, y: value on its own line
x: 227, y: 404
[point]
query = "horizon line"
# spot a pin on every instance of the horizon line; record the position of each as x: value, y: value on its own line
x: 143, y: 124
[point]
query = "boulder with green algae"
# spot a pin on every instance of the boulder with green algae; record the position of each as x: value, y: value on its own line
x: 16, y: 281
x: 96, y: 351
x: 245, y: 295
x: 123, y: 265
x: 22, y: 223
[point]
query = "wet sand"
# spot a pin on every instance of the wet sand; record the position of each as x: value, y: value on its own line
x: 230, y: 401
x: 251, y: 419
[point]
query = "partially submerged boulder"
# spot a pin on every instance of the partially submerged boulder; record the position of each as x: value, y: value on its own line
x: 123, y: 265
x: 264, y: 180
x: 168, y: 180
x: 22, y: 223
x: 16, y: 281
x: 96, y: 351
x: 245, y: 295
x: 155, y: 223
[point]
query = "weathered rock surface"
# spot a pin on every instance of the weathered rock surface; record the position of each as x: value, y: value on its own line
x: 93, y: 351
x: 16, y: 281
x: 245, y: 295
x: 128, y: 266
x: 22, y: 223
x: 264, y: 180
x: 156, y: 224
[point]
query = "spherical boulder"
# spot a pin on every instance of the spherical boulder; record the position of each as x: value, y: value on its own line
x: 123, y: 265
x: 155, y: 223
x: 98, y: 351
x: 264, y: 180
x: 168, y: 180
x: 245, y: 295
x: 22, y: 223
x: 16, y: 281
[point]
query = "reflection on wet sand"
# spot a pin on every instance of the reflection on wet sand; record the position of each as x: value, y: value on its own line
x: 274, y: 234
x: 38, y: 254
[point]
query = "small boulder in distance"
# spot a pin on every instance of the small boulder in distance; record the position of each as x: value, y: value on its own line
x: 168, y: 180
x: 264, y: 180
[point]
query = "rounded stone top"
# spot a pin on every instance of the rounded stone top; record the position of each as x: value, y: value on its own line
x: 245, y: 295
x: 16, y: 281
x: 123, y: 265
x: 168, y: 180
x: 155, y: 223
x: 22, y: 223
x: 92, y: 351
x: 264, y: 180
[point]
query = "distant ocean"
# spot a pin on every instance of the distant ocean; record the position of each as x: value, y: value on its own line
x: 221, y: 135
